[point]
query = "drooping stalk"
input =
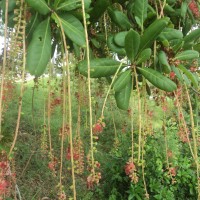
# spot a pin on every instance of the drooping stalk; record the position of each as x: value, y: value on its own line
x: 194, y: 137
x: 49, y: 113
x: 63, y: 125
x: 183, y: 122
x: 89, y: 87
x: 113, y: 119
x: 132, y: 127
x: 23, y: 21
x: 143, y: 171
x: 69, y: 106
x: 144, y: 130
x: 165, y: 138
x: 4, y: 63
x: 139, y: 116
x: 109, y: 89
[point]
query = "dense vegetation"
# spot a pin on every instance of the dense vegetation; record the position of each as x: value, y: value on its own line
x: 113, y: 109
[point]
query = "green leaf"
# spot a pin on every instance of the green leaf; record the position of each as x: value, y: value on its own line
x: 152, y: 32
x: 197, y: 47
x: 176, y: 47
x: 99, y: 8
x: 157, y: 79
x: 123, y: 96
x: 168, y: 9
x: 87, y: 4
x: 39, y: 49
x: 96, y: 43
x: 100, y: 37
x: 163, y: 60
x: 140, y: 11
x: 183, y: 9
x: 77, y: 51
x: 31, y: 25
x: 100, y: 67
x: 186, y: 80
x: 113, y: 47
x: 171, y: 34
x: 144, y: 56
x: 119, y: 18
x: 192, y: 36
x: 123, y: 79
x: 132, y: 43
x: 39, y: 5
x: 187, y: 55
x: 119, y: 38
x: 11, y: 5
x: 68, y: 5
x: 178, y: 73
x: 11, y: 22
x: 73, y: 28
x: 189, y: 75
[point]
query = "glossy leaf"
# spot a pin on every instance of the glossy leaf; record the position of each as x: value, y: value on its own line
x: 68, y: 5
x: 144, y: 56
x: 157, y: 79
x: 168, y: 9
x: 183, y: 9
x: 152, y: 32
x: 73, y: 28
x: 123, y: 79
x: 39, y: 49
x: 189, y: 75
x: 187, y: 55
x: 171, y: 34
x: 192, y: 36
x: 123, y: 96
x: 163, y: 60
x: 113, y: 47
x: 176, y: 47
x: 31, y: 25
x: 100, y: 67
x: 39, y: 6
x: 119, y: 38
x: 140, y: 11
x: 132, y: 43
x: 87, y: 4
x: 119, y: 18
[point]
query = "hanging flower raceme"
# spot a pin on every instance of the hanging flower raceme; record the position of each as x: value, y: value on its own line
x: 5, y: 176
x: 193, y: 6
x: 93, y: 179
x: 172, y: 171
x: 75, y: 154
x: 130, y: 171
x: 98, y: 127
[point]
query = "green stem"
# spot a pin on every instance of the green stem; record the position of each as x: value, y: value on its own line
x: 109, y: 89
